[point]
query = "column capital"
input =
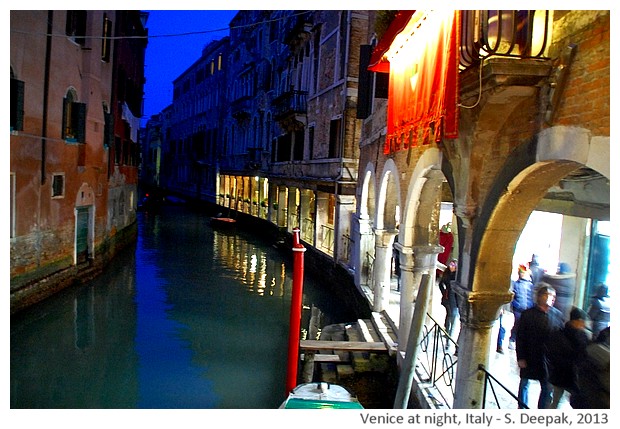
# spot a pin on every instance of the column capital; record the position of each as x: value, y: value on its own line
x: 425, y: 257
x: 466, y: 212
x: 480, y: 309
x: 384, y: 237
x: 365, y: 225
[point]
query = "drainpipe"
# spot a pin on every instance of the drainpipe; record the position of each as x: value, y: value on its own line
x: 340, y: 173
x: 46, y: 85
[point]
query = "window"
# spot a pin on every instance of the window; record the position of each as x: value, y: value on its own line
x: 76, y: 26
x: 367, y: 82
x: 335, y: 135
x: 298, y: 146
x: 17, y: 104
x: 74, y: 119
x: 331, y: 208
x: 311, y: 142
x: 117, y: 150
x: 106, y: 41
x: 108, y: 128
x: 58, y: 185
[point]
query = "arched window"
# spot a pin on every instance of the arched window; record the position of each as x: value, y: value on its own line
x: 73, y: 118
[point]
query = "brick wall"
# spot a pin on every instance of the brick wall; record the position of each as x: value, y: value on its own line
x: 586, y: 100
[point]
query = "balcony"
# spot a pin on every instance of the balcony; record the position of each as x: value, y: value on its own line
x: 252, y: 160
x: 296, y: 29
x: 318, y: 169
x: 290, y: 108
x: 241, y: 108
x: 522, y: 34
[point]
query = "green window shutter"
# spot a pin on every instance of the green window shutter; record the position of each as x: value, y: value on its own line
x: 364, y: 94
x: 106, y: 41
x: 65, y: 124
x: 108, y: 132
x: 79, y: 121
x: 17, y: 104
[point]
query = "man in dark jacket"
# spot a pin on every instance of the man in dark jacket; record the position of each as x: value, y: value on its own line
x: 448, y: 296
x: 593, y: 375
x: 535, y: 327
x: 565, y: 349
x: 523, y: 291
x: 564, y: 284
x: 599, y: 310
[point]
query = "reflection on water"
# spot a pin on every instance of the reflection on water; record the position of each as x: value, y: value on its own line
x: 190, y: 318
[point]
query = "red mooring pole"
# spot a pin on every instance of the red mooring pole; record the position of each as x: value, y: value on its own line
x: 295, y: 320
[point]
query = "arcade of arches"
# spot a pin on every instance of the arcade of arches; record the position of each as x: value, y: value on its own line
x: 399, y: 212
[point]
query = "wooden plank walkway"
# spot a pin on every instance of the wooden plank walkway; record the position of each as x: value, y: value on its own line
x: 349, y: 346
x: 346, y: 349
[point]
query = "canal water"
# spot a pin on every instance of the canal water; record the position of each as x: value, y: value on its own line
x: 190, y: 317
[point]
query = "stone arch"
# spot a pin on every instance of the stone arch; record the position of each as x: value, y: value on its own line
x: 388, y: 215
x: 85, y: 196
x: 559, y: 151
x: 364, y: 251
x: 420, y: 214
x: 387, y: 220
x: 522, y: 182
x: 367, y: 198
x: 419, y: 240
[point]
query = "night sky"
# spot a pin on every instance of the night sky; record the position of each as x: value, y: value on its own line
x: 176, y: 39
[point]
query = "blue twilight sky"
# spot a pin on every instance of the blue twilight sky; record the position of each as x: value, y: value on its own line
x: 176, y: 39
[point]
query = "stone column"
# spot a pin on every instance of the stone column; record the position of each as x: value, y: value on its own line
x: 345, y: 205
x: 281, y: 219
x: 364, y: 237
x: 414, y: 262
x: 479, y: 311
x: 382, y: 268
x: 305, y: 210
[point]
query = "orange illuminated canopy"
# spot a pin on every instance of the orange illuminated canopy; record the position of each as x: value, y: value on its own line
x: 420, y: 52
x: 378, y: 60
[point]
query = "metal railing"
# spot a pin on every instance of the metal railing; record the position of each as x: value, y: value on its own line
x: 327, y: 238
x: 491, y: 383
x: 436, y: 360
x: 508, y: 33
x: 290, y: 103
x: 347, y: 243
x: 437, y: 366
x: 370, y: 277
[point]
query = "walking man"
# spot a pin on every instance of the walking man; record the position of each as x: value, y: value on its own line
x: 533, y: 331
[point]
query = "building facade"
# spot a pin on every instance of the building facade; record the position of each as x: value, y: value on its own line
x: 190, y: 129
x: 75, y: 95
x: 518, y: 121
x: 286, y: 148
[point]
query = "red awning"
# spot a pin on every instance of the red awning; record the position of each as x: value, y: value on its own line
x: 377, y: 63
x: 423, y: 77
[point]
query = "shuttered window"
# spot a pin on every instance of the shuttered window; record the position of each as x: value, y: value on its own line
x: 106, y: 41
x: 17, y: 104
x: 76, y: 26
x: 74, y: 120
x: 108, y: 130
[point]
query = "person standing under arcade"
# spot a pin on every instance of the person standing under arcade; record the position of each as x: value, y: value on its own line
x: 533, y: 331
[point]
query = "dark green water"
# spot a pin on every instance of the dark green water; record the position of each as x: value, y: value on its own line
x: 190, y: 317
